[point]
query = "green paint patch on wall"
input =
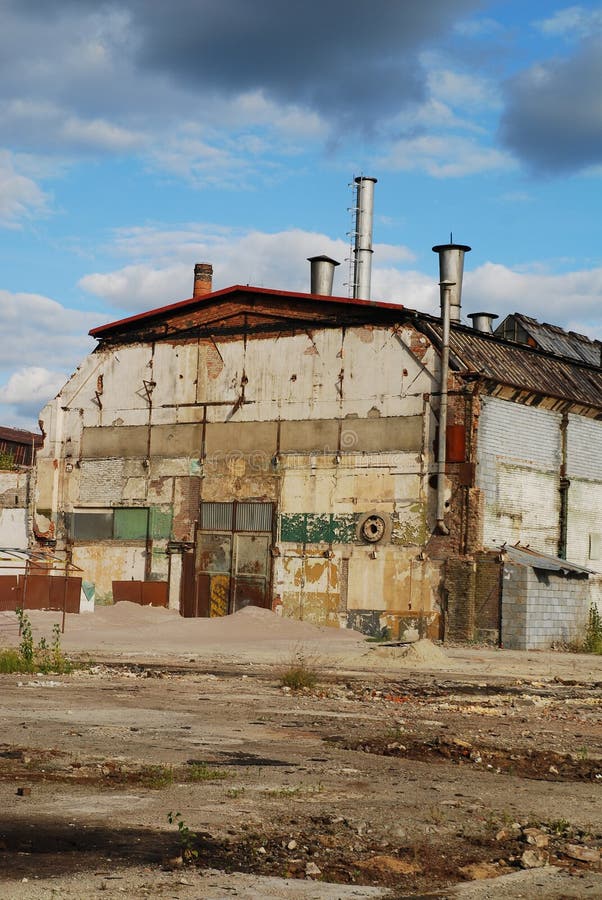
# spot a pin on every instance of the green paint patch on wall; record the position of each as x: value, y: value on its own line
x: 130, y: 524
x: 316, y: 528
x: 160, y: 523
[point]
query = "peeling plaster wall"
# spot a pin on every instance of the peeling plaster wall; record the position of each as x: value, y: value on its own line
x: 328, y: 425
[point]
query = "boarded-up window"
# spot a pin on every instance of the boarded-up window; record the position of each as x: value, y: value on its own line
x: 120, y: 524
x: 92, y: 524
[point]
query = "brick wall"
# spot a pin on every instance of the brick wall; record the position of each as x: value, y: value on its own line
x: 459, y: 588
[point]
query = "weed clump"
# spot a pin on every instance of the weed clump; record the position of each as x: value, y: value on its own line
x: 203, y: 772
x: 187, y: 837
x: 29, y: 657
x: 593, y: 632
x: 301, y: 672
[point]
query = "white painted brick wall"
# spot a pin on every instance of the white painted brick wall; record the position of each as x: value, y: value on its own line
x: 518, y: 466
x: 584, y: 449
x: 584, y: 469
x: 102, y: 481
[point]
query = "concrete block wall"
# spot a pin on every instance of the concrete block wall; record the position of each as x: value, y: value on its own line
x: 542, y: 608
x: 519, y: 456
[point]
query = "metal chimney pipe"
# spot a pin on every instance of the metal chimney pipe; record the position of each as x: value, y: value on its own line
x: 203, y: 277
x: 451, y: 268
x: 362, y: 268
x: 322, y: 274
x: 483, y: 321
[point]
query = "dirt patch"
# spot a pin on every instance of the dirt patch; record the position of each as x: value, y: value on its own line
x: 540, y: 765
x: 371, y: 780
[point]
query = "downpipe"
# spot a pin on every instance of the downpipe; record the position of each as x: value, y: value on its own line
x: 441, y: 447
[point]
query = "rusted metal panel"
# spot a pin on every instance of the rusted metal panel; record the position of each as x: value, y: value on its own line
x: 455, y: 443
x: 127, y: 590
x: 505, y: 362
x: 551, y: 338
x: 49, y: 592
x: 145, y: 593
x: 188, y: 586
x: 9, y: 592
x: 155, y: 593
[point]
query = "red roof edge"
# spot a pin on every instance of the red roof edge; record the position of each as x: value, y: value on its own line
x: 193, y: 302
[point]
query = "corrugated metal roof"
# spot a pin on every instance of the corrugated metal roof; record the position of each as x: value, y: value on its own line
x: 18, y: 436
x: 524, y: 556
x: 556, y: 340
x: 517, y: 365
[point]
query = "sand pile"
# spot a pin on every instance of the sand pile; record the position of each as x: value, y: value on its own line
x: 252, y: 635
x: 422, y: 652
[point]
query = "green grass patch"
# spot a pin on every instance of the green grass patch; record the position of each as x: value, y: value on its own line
x: 203, y: 772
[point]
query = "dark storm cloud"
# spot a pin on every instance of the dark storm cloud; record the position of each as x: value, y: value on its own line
x: 334, y: 56
x: 553, y: 115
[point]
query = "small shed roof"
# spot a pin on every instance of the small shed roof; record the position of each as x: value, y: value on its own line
x: 524, y: 556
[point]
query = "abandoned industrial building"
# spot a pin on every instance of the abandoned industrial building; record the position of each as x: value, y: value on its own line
x: 348, y: 462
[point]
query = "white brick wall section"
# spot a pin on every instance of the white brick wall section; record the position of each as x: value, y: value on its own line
x: 584, y: 448
x: 522, y: 434
x: 518, y: 471
x: 102, y: 481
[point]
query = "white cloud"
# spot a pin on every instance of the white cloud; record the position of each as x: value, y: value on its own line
x: 446, y: 156
x: 100, y: 135
x: 20, y: 196
x: 42, y: 343
x: 573, y: 21
x: 26, y: 392
x: 477, y: 27
x: 571, y: 299
x: 465, y: 90
x: 276, y: 260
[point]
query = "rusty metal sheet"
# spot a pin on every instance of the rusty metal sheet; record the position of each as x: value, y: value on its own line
x: 249, y: 591
x: 50, y: 592
x: 145, y: 593
x: 155, y: 593
x: 127, y: 590
x: 9, y: 593
x: 525, y: 368
x: 551, y: 338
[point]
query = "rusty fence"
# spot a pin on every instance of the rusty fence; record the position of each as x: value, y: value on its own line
x: 43, y: 582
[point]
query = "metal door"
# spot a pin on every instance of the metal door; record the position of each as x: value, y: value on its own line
x: 251, y: 571
x: 233, y: 562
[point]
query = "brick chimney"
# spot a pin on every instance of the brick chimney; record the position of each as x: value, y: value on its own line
x: 203, y: 274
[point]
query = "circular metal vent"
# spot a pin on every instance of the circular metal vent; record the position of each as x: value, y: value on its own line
x: 373, y: 529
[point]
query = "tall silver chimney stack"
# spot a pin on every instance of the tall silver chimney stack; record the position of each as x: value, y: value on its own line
x: 322, y: 274
x: 362, y: 268
x: 451, y: 268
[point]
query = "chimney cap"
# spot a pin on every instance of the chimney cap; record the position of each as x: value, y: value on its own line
x: 359, y: 178
x: 439, y: 247
x: 323, y: 258
x: 476, y: 314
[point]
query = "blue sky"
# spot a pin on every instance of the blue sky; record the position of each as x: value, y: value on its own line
x: 140, y: 137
